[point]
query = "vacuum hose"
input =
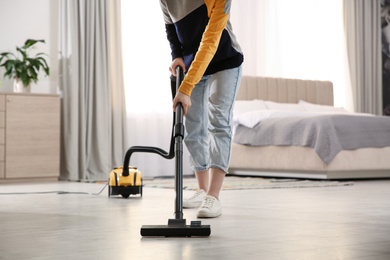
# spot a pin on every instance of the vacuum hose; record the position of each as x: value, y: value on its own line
x: 177, y: 130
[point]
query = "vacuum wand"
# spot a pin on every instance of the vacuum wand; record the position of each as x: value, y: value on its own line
x: 179, y: 136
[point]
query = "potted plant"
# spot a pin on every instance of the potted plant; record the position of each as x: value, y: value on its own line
x: 23, y: 68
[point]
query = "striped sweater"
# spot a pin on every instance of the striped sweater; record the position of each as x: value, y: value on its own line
x: 200, y: 32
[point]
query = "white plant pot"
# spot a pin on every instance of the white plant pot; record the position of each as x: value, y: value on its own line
x: 19, y: 87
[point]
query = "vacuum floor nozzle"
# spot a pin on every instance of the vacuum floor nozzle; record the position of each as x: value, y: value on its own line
x: 175, y: 229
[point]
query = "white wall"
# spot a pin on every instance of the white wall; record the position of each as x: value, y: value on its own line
x: 31, y: 19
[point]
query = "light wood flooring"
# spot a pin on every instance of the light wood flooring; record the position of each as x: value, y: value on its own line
x: 349, y: 222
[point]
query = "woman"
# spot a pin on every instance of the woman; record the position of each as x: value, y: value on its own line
x: 203, y: 44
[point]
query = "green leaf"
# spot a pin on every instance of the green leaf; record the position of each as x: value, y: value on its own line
x: 10, y: 65
x: 31, y: 42
x: 5, y: 54
x: 8, y: 74
x: 34, y: 62
x: 44, y: 65
x: 32, y: 73
x: 41, y: 54
x: 25, y: 78
x: 24, y: 53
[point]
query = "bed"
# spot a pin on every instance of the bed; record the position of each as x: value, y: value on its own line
x: 301, y: 160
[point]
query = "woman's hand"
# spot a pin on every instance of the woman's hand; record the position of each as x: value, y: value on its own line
x: 180, y: 97
x: 184, y: 100
x: 177, y: 62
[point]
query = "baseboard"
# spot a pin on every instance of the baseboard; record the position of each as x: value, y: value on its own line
x: 330, y: 175
x: 29, y: 180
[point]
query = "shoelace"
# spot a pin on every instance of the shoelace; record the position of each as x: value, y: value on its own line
x: 197, y: 194
x: 208, y: 203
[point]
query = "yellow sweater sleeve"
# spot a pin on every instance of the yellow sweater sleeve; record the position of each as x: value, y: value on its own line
x: 208, y: 45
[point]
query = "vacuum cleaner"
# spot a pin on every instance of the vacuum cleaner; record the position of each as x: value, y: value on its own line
x: 125, y: 183
x: 177, y: 226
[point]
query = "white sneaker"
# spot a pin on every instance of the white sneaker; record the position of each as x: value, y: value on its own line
x: 196, y: 199
x: 210, y: 208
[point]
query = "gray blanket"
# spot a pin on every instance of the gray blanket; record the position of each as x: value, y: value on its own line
x: 327, y: 134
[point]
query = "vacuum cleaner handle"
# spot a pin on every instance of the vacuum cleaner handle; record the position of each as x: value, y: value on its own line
x: 179, y: 127
x: 156, y: 150
x: 179, y: 79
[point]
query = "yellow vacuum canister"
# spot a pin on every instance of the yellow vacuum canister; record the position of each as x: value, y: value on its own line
x: 120, y: 184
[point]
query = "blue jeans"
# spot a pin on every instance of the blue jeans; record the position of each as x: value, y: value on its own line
x: 209, y: 120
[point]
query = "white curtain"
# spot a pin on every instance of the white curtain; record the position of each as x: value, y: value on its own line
x: 294, y: 39
x: 363, y: 31
x: 147, y: 57
x: 93, y: 108
x: 280, y: 38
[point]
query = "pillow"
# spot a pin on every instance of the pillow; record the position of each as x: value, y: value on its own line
x: 251, y: 119
x: 321, y: 108
x: 244, y: 106
x: 284, y: 106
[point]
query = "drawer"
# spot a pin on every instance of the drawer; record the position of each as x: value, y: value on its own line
x: 2, y: 152
x: 2, y: 170
x: 2, y: 136
x: 2, y: 102
x: 2, y: 119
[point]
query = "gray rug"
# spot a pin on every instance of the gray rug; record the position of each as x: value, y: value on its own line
x: 247, y: 183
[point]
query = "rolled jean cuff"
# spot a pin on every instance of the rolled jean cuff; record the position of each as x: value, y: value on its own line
x: 198, y: 169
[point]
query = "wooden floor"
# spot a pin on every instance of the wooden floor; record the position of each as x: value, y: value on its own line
x: 350, y: 222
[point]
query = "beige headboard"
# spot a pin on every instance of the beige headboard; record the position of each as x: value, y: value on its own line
x: 286, y: 90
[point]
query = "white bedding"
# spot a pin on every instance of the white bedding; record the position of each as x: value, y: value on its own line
x: 251, y: 113
x: 326, y: 129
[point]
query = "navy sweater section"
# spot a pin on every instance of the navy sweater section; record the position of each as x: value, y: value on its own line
x: 185, y: 37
